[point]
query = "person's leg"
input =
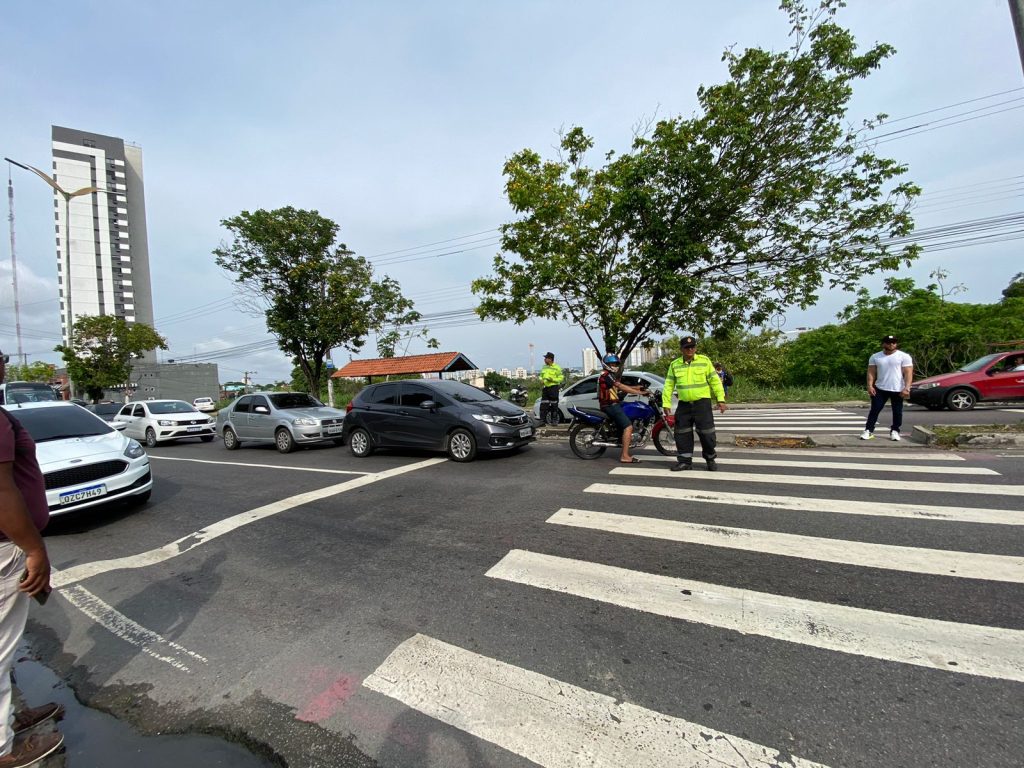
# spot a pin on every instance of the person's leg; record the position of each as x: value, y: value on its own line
x: 627, y: 438
x: 897, y: 411
x: 877, y: 404
x: 704, y: 421
x: 683, y: 433
x: 13, y: 615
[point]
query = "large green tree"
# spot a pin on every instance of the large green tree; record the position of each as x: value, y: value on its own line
x: 37, y: 371
x: 757, y: 202
x: 102, y: 350
x: 316, y: 295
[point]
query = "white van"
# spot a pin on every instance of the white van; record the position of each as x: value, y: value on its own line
x: 27, y: 392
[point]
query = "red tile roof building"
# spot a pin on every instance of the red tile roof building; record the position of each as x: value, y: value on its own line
x: 436, y: 362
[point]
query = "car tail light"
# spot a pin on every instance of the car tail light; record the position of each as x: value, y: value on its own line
x: 348, y: 407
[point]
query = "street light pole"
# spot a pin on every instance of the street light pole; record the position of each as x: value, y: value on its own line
x: 14, y: 266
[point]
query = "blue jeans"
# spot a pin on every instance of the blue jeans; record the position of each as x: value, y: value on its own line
x: 878, y: 401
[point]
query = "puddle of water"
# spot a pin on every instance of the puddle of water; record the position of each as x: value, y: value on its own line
x: 94, y: 738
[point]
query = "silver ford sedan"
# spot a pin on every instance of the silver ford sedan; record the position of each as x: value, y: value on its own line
x: 286, y: 419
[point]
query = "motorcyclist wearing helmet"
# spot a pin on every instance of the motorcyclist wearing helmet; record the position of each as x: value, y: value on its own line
x: 609, y: 388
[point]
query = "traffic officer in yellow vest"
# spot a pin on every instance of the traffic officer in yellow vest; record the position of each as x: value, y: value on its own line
x: 551, y: 378
x: 693, y: 376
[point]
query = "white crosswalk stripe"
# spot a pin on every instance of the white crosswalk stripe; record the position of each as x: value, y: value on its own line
x: 797, y: 464
x: 805, y: 504
x: 788, y: 420
x: 835, y: 482
x: 864, y: 455
x: 965, y: 648
x: 939, y: 562
x: 551, y: 722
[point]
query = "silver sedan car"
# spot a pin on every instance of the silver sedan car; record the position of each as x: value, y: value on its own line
x: 286, y: 419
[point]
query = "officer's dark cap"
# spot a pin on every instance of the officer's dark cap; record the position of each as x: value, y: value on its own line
x: 549, y: 354
x: 687, y: 341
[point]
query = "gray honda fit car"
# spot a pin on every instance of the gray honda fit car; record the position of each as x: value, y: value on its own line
x: 437, y: 415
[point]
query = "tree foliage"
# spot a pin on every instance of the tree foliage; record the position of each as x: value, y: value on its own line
x: 1015, y: 290
x: 37, y: 371
x: 940, y: 335
x: 316, y: 295
x: 718, y: 220
x: 102, y: 350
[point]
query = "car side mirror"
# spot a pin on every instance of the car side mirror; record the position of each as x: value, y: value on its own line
x: 261, y: 409
x: 118, y: 425
x: 428, y: 405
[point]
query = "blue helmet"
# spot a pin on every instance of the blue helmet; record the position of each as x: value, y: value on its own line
x: 610, y: 359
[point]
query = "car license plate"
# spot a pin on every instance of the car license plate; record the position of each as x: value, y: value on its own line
x: 70, y: 497
x: 193, y: 429
x: 333, y: 430
x: 525, y: 432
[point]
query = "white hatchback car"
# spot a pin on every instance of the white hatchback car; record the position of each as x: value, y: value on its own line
x: 85, y: 461
x: 583, y: 394
x: 157, y: 421
x: 205, y: 404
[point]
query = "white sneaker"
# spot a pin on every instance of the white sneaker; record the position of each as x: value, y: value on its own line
x: 865, y: 435
x: 894, y: 435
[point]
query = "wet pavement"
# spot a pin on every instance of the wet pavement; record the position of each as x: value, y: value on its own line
x: 93, y: 739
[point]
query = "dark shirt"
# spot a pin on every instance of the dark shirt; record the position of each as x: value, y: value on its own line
x: 16, y: 445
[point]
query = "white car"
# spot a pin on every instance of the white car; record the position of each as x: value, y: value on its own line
x: 583, y: 394
x: 204, y: 404
x: 157, y: 421
x: 85, y: 461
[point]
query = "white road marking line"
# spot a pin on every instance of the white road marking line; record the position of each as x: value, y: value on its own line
x: 222, y: 527
x: 734, y: 460
x: 550, y: 722
x: 945, y: 645
x: 736, y: 416
x: 884, y: 454
x: 794, y: 429
x: 149, y: 642
x: 936, y: 562
x: 889, y: 484
x: 796, y: 411
x: 802, y: 504
x: 261, y: 466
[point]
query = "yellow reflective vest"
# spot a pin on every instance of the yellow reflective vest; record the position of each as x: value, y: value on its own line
x: 550, y: 375
x: 693, y: 381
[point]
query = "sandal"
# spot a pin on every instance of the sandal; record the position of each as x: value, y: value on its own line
x: 634, y: 460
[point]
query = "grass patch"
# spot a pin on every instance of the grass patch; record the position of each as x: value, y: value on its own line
x: 946, y: 435
x: 745, y: 392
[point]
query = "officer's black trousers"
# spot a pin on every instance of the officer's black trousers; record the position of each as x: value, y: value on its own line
x: 696, y: 415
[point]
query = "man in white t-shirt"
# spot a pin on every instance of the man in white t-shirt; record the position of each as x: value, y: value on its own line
x: 889, y: 375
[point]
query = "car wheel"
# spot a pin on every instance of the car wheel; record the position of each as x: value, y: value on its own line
x: 284, y: 441
x: 359, y: 443
x: 150, y: 437
x: 231, y: 441
x: 961, y: 400
x: 207, y: 438
x: 461, y: 445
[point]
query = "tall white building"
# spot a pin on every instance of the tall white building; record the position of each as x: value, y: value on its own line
x: 105, y: 271
x: 591, y: 361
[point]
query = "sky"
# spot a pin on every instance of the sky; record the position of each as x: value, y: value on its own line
x: 394, y: 119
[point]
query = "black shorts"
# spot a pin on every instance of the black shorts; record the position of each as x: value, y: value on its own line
x: 617, y: 415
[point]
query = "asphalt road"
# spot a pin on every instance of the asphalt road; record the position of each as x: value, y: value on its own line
x: 538, y: 609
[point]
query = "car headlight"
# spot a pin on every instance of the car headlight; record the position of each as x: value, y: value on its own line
x: 929, y: 385
x: 165, y: 423
x: 486, y: 417
x: 210, y: 421
x: 304, y: 422
x: 134, y: 450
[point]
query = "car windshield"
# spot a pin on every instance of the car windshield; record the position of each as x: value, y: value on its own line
x: 287, y: 400
x: 655, y: 378
x: 30, y: 393
x: 171, y: 406
x: 980, y: 363
x: 464, y: 393
x: 59, y: 422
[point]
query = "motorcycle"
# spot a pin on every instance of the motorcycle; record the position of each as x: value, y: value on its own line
x: 591, y: 433
x: 518, y: 395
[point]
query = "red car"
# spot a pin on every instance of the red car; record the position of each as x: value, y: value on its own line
x: 999, y: 376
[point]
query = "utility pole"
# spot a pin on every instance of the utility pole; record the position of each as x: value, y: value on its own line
x: 245, y: 379
x: 1017, y: 14
x: 531, y: 358
x: 14, y: 265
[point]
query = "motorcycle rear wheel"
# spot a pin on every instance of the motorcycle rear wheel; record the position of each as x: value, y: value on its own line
x: 665, y: 441
x: 581, y: 439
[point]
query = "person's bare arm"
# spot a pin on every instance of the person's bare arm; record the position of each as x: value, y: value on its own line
x: 908, y: 377
x: 16, y: 524
x: 872, y: 375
